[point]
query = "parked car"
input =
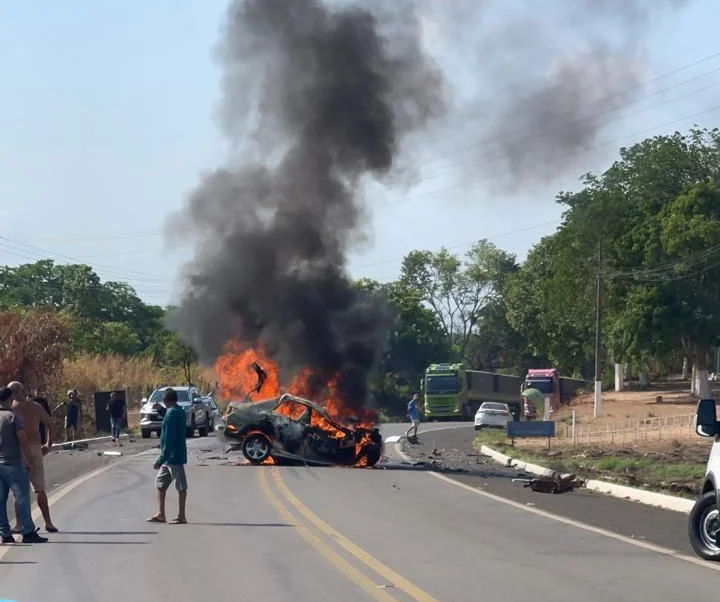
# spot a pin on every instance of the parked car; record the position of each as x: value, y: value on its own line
x: 296, y: 430
x: 197, y: 411
x: 492, y: 414
x: 704, y: 521
x: 215, y: 417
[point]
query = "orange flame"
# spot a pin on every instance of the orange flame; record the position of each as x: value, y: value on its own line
x: 237, y: 378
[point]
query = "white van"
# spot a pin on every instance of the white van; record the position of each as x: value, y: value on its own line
x: 704, y: 525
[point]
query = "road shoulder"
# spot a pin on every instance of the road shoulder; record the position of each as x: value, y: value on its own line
x: 451, y: 453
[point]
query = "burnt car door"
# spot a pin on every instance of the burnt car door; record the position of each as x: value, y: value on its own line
x: 328, y: 442
x: 291, y: 421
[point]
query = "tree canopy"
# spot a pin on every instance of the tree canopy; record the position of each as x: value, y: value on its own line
x: 648, y: 227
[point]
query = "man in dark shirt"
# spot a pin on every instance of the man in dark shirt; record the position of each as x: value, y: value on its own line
x: 74, y: 414
x: 116, y: 407
x: 172, y: 460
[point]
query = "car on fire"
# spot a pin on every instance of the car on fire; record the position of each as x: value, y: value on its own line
x: 290, y: 429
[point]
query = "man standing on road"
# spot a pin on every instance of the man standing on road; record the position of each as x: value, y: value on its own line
x: 116, y: 407
x: 74, y: 414
x: 414, y: 415
x: 13, y: 475
x: 33, y: 416
x: 173, y: 457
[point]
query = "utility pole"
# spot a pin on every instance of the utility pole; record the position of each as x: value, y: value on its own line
x: 598, y: 333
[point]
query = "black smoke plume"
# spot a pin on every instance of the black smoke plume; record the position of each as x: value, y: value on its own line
x: 316, y: 98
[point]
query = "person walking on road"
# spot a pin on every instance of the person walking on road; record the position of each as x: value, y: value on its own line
x: 414, y: 415
x: 33, y: 416
x: 116, y: 407
x: 172, y: 460
x: 14, y: 448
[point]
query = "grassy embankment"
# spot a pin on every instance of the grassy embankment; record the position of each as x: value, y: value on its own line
x: 676, y: 468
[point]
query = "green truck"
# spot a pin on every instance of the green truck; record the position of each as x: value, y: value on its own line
x: 452, y: 392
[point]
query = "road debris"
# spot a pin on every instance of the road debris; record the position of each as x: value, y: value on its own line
x: 556, y: 483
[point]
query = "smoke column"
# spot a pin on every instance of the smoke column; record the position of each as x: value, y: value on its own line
x: 315, y: 99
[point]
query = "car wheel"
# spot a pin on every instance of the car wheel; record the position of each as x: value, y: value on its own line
x: 256, y: 448
x: 704, y: 527
x: 146, y: 433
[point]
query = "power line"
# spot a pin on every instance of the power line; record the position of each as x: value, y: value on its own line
x: 157, y: 232
x: 129, y: 274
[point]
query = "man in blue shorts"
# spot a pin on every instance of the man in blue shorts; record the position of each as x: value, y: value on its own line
x: 173, y: 457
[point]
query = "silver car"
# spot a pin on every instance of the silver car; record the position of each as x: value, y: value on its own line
x: 198, y: 412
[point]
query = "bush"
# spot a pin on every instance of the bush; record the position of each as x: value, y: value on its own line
x: 32, y: 345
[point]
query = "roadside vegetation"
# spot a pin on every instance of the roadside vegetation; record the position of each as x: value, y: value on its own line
x: 649, y: 226
x: 674, y: 467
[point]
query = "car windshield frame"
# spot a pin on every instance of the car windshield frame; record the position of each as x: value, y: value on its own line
x: 441, y: 385
x: 495, y: 406
x: 157, y: 396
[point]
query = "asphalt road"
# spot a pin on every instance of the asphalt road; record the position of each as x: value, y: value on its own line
x: 645, y: 523
x: 308, y: 534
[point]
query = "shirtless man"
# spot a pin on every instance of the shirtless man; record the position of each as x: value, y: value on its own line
x: 33, y: 415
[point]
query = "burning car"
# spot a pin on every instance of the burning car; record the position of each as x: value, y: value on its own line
x: 291, y: 428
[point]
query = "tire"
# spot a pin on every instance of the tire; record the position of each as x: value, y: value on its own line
x: 146, y: 433
x: 256, y: 448
x: 704, y: 527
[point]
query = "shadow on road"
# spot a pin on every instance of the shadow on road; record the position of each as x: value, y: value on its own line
x: 11, y: 562
x: 100, y: 543
x: 241, y: 524
x: 108, y: 533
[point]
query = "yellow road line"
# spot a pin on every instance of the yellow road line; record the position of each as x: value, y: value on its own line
x: 331, y: 556
x: 397, y: 580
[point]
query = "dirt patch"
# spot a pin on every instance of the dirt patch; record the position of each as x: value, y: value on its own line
x: 630, y: 405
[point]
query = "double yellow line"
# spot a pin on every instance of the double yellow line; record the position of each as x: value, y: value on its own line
x: 374, y: 590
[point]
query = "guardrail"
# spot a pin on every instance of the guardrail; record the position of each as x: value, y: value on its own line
x: 630, y: 431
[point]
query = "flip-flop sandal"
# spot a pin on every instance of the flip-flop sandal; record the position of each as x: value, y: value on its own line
x: 155, y: 519
x: 51, y: 529
x: 177, y: 521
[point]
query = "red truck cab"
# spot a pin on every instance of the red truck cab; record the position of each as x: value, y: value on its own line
x: 547, y: 381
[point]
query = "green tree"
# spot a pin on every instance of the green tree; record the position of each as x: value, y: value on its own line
x: 457, y: 290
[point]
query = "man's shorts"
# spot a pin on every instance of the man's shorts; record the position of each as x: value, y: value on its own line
x: 37, y: 475
x: 71, y: 421
x: 169, y: 473
x: 416, y: 422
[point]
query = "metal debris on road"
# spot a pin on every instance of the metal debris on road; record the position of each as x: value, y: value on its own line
x: 556, y: 483
x: 112, y: 453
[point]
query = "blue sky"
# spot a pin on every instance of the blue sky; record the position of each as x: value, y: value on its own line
x: 107, y: 121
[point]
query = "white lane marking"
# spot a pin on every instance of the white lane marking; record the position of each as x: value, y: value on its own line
x: 573, y: 523
x: 71, y: 486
